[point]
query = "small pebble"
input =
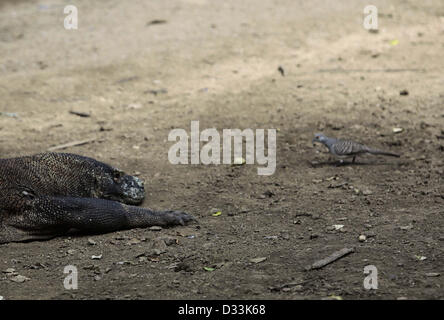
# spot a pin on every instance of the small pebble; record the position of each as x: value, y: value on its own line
x: 433, y: 274
x: 404, y: 93
x: 362, y: 238
x: 258, y: 260
x: 9, y: 270
x: 20, y: 279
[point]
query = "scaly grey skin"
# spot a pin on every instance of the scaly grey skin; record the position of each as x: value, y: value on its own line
x: 347, y: 148
x: 51, y: 194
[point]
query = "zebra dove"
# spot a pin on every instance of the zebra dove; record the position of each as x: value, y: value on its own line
x: 347, y: 148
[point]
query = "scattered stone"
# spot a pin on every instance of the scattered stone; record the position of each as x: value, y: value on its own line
x: 96, y: 257
x: 134, y: 106
x: 370, y: 234
x: 133, y: 241
x: 397, y: 130
x: 156, y: 252
x: 410, y: 226
x: 159, y: 244
x: 268, y: 194
x: 337, y: 185
x: 168, y: 240
x: 238, y: 161
x: 404, y: 93
x: 91, y: 242
x: 9, y: 270
x: 124, y: 262
x: 155, y: 228
x: 362, y: 238
x: 19, y: 279
x: 258, y: 260
x: 433, y: 274
x: 315, y: 216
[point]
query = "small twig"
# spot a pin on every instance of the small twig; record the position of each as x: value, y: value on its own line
x: 303, y: 214
x: 80, y: 114
x: 332, y: 258
x: 71, y: 144
x: 156, y: 21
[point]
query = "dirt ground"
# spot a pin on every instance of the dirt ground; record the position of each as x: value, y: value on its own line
x: 217, y: 62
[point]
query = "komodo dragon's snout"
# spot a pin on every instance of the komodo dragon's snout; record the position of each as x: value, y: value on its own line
x: 114, y: 184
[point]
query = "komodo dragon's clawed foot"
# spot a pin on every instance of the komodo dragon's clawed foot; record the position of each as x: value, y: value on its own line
x: 173, y: 218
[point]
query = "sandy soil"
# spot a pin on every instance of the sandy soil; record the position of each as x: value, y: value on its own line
x: 217, y: 62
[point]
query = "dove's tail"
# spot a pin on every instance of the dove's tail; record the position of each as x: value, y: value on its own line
x: 383, y: 153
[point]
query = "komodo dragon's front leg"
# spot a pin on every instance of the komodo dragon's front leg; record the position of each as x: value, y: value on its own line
x: 46, y: 217
x: 52, y: 194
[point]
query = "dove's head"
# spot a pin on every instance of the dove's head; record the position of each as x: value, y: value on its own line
x: 320, y: 137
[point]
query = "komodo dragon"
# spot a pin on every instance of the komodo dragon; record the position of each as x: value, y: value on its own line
x: 53, y: 194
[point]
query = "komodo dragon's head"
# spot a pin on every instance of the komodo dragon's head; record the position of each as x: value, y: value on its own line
x: 114, y: 184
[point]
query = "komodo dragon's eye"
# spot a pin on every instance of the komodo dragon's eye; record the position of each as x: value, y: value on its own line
x: 118, y: 174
